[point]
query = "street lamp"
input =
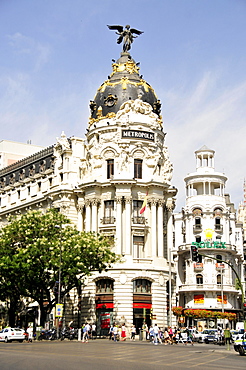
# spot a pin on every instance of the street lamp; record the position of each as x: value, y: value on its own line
x: 60, y: 227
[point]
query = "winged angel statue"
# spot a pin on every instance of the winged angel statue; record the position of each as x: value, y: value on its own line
x: 126, y: 35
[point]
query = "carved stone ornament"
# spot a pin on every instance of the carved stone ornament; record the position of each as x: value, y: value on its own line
x: 62, y: 142
x: 123, y: 277
x: 136, y: 106
x: 170, y: 204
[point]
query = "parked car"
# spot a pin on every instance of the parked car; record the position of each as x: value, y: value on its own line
x: 240, y: 345
x: 10, y: 334
x: 200, y: 337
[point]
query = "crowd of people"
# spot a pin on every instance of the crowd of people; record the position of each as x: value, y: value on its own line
x: 153, y: 334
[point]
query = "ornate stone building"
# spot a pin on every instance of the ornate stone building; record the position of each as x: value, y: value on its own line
x: 208, y: 221
x: 100, y: 182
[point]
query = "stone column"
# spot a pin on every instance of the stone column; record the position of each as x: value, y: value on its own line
x: 87, y: 215
x: 170, y: 207
x: 128, y: 237
x: 80, y: 220
x: 160, y: 227
x: 153, y: 227
x: 118, y: 224
x: 94, y: 224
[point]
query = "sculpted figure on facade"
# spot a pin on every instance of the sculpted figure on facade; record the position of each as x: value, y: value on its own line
x: 137, y: 106
x: 62, y: 142
x: 123, y: 161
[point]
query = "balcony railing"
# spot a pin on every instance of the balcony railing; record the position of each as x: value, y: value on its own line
x: 220, y: 266
x: 209, y: 287
x: 138, y: 220
x: 197, y: 228
x: 108, y: 220
x: 218, y: 228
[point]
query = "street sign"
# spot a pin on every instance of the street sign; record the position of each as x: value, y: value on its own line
x: 59, y: 310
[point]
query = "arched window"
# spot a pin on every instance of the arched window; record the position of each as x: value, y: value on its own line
x: 104, y: 286
x: 199, y: 279
x: 141, y: 286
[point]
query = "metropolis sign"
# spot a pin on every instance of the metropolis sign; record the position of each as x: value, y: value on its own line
x: 134, y: 134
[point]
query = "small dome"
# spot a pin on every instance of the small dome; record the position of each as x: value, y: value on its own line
x: 122, y: 85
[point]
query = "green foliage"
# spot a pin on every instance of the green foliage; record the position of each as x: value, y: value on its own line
x: 36, y: 246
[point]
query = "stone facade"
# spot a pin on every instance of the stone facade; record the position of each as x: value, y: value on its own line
x: 101, y: 183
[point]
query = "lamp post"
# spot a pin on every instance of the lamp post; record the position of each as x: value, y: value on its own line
x: 60, y: 227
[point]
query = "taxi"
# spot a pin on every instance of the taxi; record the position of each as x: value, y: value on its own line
x: 240, y: 345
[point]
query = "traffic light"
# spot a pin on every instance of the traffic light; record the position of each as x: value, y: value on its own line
x: 194, y: 253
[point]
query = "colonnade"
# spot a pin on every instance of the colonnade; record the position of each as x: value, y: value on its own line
x: 90, y: 211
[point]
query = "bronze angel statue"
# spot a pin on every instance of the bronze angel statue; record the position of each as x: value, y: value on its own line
x: 126, y: 35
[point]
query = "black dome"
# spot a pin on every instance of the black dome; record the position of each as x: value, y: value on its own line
x: 123, y: 84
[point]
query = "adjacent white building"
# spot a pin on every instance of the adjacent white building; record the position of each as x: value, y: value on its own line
x: 208, y: 220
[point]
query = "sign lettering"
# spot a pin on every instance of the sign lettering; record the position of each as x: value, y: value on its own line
x: 133, y: 134
x: 221, y: 245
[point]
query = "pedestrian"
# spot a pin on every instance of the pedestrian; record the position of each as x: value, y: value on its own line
x: 189, y: 336
x: 166, y: 337
x: 170, y: 333
x: 93, y: 331
x: 111, y: 332
x: 227, y: 335
x: 156, y: 334
x: 133, y: 332
x: 123, y: 333
x: 151, y: 333
x: 85, y: 329
x: 30, y: 333
x: 115, y: 331
x: 179, y: 336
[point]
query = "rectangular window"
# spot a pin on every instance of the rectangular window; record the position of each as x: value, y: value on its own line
x: 138, y: 247
x: 137, y: 218
x: 108, y: 212
x: 110, y: 168
x: 138, y: 163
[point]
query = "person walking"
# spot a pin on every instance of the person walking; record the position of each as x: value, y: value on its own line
x: 227, y: 335
x: 156, y: 334
x: 115, y: 331
x: 111, y: 332
x: 123, y: 333
x: 133, y: 333
x: 30, y: 333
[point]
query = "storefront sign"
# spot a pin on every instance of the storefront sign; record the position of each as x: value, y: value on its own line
x: 221, y: 245
x: 133, y: 134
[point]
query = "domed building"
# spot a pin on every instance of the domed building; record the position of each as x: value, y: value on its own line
x: 116, y: 181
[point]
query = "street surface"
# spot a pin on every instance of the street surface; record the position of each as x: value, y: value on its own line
x: 102, y: 354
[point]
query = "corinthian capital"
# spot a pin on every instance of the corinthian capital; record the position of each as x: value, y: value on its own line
x: 170, y: 204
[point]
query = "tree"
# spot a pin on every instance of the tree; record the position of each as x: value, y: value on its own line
x: 38, y: 248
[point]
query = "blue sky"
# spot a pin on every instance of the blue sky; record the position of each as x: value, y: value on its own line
x: 56, y: 53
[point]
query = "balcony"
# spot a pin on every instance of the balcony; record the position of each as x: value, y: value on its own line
x: 198, y: 266
x: 108, y: 220
x: 218, y: 228
x: 220, y: 266
x: 138, y: 220
x: 197, y: 228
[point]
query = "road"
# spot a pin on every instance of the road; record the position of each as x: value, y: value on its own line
x: 102, y: 354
